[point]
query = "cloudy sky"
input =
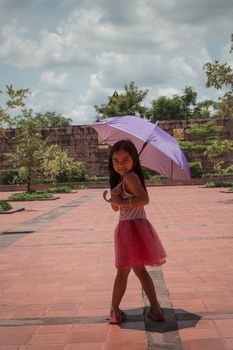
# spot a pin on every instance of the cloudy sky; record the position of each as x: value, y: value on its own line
x: 72, y: 54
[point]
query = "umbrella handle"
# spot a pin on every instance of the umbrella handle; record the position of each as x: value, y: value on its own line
x: 105, y: 197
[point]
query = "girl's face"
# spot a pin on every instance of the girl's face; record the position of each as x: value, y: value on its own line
x: 122, y: 162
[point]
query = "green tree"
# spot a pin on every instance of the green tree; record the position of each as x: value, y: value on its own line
x: 220, y: 77
x: 44, y: 120
x: 30, y: 151
x: 127, y: 103
x: 34, y: 158
x: 16, y: 100
x: 205, y: 109
x: 177, y: 107
x: 57, y: 162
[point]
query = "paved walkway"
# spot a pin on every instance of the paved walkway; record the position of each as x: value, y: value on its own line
x: 57, y: 271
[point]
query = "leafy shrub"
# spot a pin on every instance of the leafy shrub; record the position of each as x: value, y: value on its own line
x: 76, y: 173
x: 148, y: 174
x: 8, y: 176
x: 218, y: 184
x: 196, y: 169
x: 217, y: 175
x: 30, y: 195
x: 4, y: 206
x: 62, y: 189
x: 157, y: 177
x: 97, y: 178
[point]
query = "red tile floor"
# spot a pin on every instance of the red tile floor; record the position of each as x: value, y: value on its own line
x: 56, y: 283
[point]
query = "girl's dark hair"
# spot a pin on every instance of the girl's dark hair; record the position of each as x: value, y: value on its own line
x: 128, y: 146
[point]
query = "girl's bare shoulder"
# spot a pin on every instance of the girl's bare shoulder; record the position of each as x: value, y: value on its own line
x: 131, y: 177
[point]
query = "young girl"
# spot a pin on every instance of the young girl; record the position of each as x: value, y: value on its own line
x: 136, y: 241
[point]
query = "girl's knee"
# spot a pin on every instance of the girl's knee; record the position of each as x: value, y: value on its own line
x: 139, y: 270
x: 124, y: 272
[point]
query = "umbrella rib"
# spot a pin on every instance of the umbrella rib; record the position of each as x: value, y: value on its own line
x: 126, y: 132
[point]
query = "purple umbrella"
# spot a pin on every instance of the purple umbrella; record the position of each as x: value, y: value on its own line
x: 158, y: 150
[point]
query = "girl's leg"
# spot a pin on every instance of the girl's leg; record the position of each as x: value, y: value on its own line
x: 119, y: 288
x: 148, y: 286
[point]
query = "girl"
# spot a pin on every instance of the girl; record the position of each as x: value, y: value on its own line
x: 136, y: 241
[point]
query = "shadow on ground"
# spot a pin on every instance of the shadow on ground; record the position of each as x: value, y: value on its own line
x: 137, y: 319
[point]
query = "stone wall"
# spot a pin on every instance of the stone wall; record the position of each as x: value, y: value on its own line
x: 82, y: 143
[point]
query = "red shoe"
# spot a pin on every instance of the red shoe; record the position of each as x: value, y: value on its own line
x: 156, y: 316
x: 116, y: 318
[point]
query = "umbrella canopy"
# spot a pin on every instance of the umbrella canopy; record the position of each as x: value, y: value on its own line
x: 158, y: 150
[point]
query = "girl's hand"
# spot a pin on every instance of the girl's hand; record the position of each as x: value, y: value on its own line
x: 114, y: 192
x: 116, y: 199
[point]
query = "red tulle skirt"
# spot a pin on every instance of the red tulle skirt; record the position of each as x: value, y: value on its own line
x: 137, y: 243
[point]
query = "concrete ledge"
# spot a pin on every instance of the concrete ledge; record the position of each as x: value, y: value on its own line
x: 11, y: 211
x: 32, y: 199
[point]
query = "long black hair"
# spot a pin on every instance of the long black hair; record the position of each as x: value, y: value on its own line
x: 128, y: 146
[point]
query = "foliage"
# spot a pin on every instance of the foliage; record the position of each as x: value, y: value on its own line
x: 32, y: 195
x: 35, y: 158
x: 29, y: 156
x: 218, y: 184
x: 180, y: 107
x: 224, y: 175
x: 209, y: 147
x: 61, y: 189
x: 220, y: 77
x: 43, y: 120
x: 75, y: 171
x: 196, y: 169
x: 208, y: 130
x: 8, y: 176
x: 97, y: 178
x: 4, y: 206
x: 57, y: 161
x: 205, y: 109
x: 127, y: 103
x: 16, y: 99
x: 215, y: 151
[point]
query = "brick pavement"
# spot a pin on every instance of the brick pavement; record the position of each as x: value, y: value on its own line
x: 56, y: 282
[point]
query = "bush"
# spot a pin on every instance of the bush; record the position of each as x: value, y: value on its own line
x: 4, y: 206
x: 8, y: 176
x: 196, y: 169
x: 218, y: 184
x: 97, y: 178
x: 225, y: 175
x: 62, y: 189
x: 76, y: 174
x: 30, y: 196
x: 149, y: 174
x: 157, y: 177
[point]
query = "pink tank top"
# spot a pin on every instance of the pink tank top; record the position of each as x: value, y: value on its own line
x: 130, y: 213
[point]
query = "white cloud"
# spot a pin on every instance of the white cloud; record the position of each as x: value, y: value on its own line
x: 49, y: 80
x: 168, y: 92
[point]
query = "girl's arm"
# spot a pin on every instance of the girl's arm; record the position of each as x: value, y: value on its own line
x: 133, y: 185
